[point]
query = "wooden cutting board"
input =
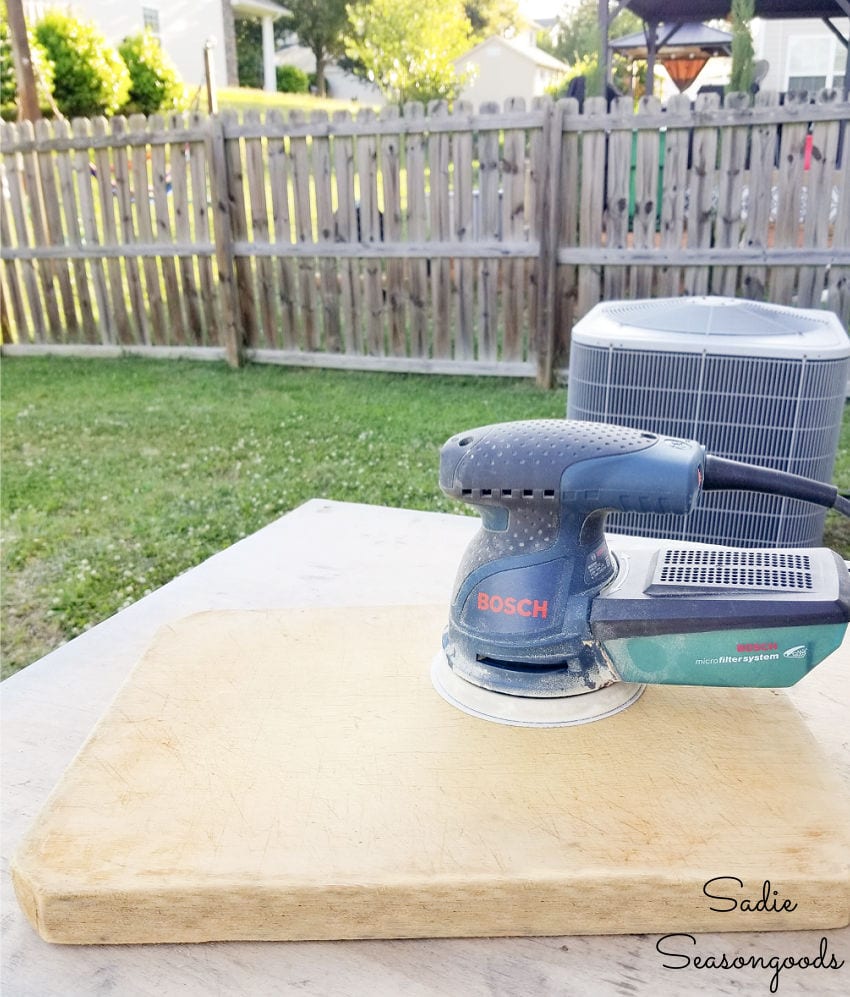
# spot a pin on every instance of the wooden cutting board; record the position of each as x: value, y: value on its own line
x: 293, y: 775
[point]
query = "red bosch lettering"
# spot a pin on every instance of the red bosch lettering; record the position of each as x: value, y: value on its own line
x: 749, y: 648
x: 510, y: 606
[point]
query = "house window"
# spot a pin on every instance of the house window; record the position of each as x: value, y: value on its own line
x: 814, y: 63
x: 150, y: 20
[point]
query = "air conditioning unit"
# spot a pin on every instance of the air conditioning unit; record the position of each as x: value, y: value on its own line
x: 754, y: 382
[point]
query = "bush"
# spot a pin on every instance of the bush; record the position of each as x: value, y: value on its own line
x: 291, y: 79
x: 89, y: 76
x: 154, y: 83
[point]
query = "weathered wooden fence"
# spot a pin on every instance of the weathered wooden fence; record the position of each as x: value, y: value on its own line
x: 466, y: 241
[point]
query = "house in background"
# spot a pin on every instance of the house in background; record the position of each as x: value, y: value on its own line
x: 182, y: 27
x: 509, y: 67
x: 801, y: 54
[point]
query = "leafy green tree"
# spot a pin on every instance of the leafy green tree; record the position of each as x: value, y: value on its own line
x: 320, y: 26
x: 154, y: 83
x: 89, y: 75
x: 743, y: 54
x: 578, y: 43
x: 491, y: 17
x: 407, y: 46
x: 249, y: 52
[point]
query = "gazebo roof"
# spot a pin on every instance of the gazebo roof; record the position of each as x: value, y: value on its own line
x: 688, y: 38
x: 670, y: 11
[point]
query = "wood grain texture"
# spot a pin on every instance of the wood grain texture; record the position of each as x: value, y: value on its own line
x: 293, y: 775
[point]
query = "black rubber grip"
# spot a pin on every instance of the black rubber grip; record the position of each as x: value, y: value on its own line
x: 722, y: 474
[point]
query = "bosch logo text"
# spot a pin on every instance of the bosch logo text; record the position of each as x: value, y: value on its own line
x: 513, y: 607
x: 750, y: 648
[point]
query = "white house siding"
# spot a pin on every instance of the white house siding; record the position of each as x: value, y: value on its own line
x: 502, y: 71
x: 797, y: 49
x: 184, y: 26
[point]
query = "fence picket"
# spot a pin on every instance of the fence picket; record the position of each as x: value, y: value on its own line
x: 141, y: 184
x: 513, y: 229
x: 239, y: 227
x: 617, y: 201
x: 462, y: 232
x: 304, y: 236
x: 675, y: 174
x: 763, y: 150
x: 369, y: 224
x: 287, y: 283
x: 255, y: 173
x: 17, y: 201
x: 138, y: 315
x: 488, y: 229
x: 821, y: 177
x: 396, y: 283
x: 345, y: 229
x: 415, y: 149
x: 161, y: 189
x: 792, y: 153
x: 701, y: 188
x: 591, y: 204
x: 106, y: 199
x: 200, y: 200
x: 325, y: 223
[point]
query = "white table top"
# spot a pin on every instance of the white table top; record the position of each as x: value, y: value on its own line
x: 321, y: 554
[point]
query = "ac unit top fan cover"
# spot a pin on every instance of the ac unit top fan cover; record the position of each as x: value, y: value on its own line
x: 729, y: 326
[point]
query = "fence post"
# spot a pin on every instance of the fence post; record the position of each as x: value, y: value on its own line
x: 232, y: 333
x: 547, y: 226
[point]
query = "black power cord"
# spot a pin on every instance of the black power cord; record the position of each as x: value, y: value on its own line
x: 722, y: 474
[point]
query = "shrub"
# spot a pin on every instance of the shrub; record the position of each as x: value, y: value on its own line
x: 154, y: 83
x: 291, y: 79
x: 89, y: 76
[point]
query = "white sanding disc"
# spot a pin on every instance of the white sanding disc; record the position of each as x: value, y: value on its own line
x: 529, y: 711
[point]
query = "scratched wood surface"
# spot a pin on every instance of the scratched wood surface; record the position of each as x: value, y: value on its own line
x: 293, y: 775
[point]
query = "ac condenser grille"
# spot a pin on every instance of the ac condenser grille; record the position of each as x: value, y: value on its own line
x: 778, y: 407
x: 731, y: 570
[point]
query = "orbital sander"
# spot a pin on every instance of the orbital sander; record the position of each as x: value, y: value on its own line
x: 549, y: 626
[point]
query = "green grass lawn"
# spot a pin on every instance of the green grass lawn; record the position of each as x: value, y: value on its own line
x: 247, y: 99
x: 118, y: 475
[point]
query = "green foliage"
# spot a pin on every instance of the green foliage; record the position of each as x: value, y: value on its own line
x: 577, y: 44
x: 42, y: 68
x: 291, y: 79
x: 154, y: 83
x: 249, y: 52
x: 407, y: 46
x: 89, y: 75
x: 491, y: 17
x: 743, y: 54
x: 320, y: 26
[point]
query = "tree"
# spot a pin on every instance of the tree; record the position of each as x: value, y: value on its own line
x: 407, y: 46
x: 578, y: 43
x: 13, y: 21
x: 320, y: 26
x: 13, y: 104
x: 743, y: 54
x: 491, y: 17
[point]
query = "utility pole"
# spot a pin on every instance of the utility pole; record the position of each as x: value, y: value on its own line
x: 28, y: 109
x: 604, y: 28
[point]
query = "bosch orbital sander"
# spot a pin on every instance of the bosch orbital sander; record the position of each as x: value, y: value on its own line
x: 549, y: 626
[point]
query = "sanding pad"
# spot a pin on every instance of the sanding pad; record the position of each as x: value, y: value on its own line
x: 531, y: 711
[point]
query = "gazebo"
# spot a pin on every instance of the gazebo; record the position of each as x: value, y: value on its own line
x: 670, y: 13
x: 683, y: 49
